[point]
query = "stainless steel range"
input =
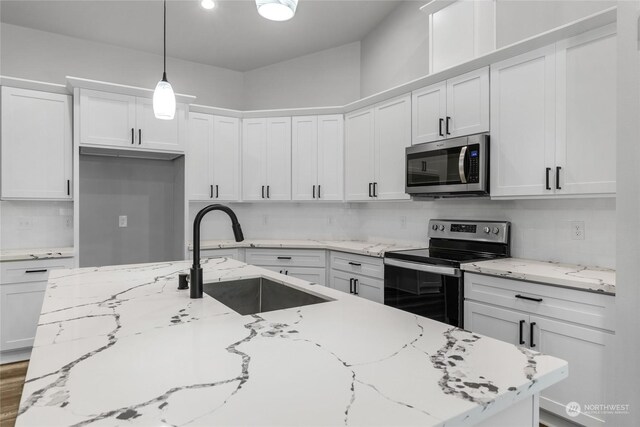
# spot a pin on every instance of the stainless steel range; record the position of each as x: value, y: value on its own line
x: 428, y: 282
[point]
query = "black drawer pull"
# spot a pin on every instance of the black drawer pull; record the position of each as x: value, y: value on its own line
x: 318, y: 191
x: 448, y: 123
x: 217, y: 192
x: 44, y: 270
x: 268, y: 196
x: 68, y: 187
x: 558, y: 169
x: 350, y: 286
x: 284, y: 257
x: 211, y: 191
x: 139, y: 136
x: 521, y: 338
x: 370, y: 191
x: 440, y: 122
x: 357, y: 264
x: 132, y: 135
x: 529, y: 298
x: 547, y: 186
x: 531, y: 343
x: 263, y: 191
x: 355, y: 286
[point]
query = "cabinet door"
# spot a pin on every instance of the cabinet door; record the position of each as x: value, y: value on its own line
x: 226, y: 158
x: 468, y: 104
x: 279, y: 158
x: 586, y: 351
x: 21, y: 304
x: 340, y: 281
x: 392, y: 137
x: 429, y: 110
x: 36, y: 145
x: 304, y: 153
x: 523, y: 124
x: 369, y: 288
x: 254, y: 158
x: 331, y: 157
x: 504, y: 325
x: 156, y: 134
x: 107, y: 119
x: 199, y: 156
x: 586, y: 115
x: 359, y: 155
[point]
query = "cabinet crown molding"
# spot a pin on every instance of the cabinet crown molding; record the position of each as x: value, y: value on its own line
x: 77, y: 82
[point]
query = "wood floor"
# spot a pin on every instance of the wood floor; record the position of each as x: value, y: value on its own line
x: 11, y: 382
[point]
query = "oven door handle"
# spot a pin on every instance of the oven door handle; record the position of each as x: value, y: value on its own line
x: 463, y: 155
x: 427, y: 268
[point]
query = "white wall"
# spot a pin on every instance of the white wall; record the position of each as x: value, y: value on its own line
x: 48, y: 57
x: 326, y: 78
x: 540, y: 228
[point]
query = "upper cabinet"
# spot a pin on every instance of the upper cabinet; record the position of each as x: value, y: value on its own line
x: 36, y: 148
x: 317, y: 157
x: 125, y: 121
x: 266, y: 159
x: 553, y: 125
x: 213, y: 158
x: 376, y: 140
x: 457, y: 107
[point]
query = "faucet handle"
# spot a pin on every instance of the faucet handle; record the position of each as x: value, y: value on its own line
x: 183, y: 281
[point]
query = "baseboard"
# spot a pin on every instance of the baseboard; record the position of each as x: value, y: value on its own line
x: 15, y: 355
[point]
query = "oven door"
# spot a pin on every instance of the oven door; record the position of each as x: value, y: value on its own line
x: 448, y: 167
x: 426, y: 290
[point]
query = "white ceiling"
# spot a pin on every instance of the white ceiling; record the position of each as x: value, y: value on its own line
x: 232, y: 35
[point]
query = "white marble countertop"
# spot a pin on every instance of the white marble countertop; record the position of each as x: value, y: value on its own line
x: 594, y: 279
x: 31, y: 254
x: 122, y: 343
x: 375, y: 249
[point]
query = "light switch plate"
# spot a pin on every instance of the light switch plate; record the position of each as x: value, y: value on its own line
x: 122, y: 221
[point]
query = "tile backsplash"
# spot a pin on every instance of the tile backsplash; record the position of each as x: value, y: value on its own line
x: 35, y: 224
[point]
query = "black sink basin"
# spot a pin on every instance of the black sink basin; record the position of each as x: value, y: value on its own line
x: 259, y: 295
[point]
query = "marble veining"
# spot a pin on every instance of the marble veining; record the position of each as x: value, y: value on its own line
x: 594, y: 279
x: 375, y: 249
x: 122, y: 344
x: 31, y: 254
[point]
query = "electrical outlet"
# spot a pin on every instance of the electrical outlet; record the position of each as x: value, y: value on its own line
x: 122, y: 221
x: 403, y: 222
x: 577, y: 230
x: 69, y: 222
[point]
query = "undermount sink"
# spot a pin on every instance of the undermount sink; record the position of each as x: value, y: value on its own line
x: 259, y: 295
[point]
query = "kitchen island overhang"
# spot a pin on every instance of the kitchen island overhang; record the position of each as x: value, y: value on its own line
x: 121, y: 344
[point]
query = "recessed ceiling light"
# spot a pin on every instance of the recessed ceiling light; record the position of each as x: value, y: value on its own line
x: 277, y: 10
x: 208, y: 4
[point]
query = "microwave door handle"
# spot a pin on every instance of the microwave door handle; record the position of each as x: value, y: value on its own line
x: 463, y: 154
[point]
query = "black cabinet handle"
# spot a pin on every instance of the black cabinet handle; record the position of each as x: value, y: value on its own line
x: 440, y: 123
x: 268, y: 196
x: 132, y: 135
x: 521, y: 337
x: 263, y: 191
x: 375, y: 189
x: 44, y: 270
x: 355, y: 286
x: 68, y: 187
x: 350, y: 286
x: 211, y: 191
x: 284, y: 257
x: 547, y: 179
x: 280, y: 271
x: 448, y: 123
x: 139, y: 136
x: 531, y: 343
x: 286, y: 272
x: 217, y: 193
x: 314, y: 191
x: 357, y: 264
x: 318, y: 191
x: 529, y: 298
x: 558, y: 168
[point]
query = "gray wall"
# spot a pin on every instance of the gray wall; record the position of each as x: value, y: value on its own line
x: 147, y: 191
x: 326, y: 78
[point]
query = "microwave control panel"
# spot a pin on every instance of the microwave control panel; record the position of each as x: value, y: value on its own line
x: 474, y: 164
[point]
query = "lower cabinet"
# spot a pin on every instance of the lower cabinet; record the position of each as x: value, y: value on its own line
x: 310, y: 274
x: 357, y: 274
x: 305, y: 264
x: 562, y: 336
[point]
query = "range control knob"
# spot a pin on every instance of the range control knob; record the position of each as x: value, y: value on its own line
x: 486, y: 230
x: 434, y: 227
x: 441, y: 228
x: 496, y: 230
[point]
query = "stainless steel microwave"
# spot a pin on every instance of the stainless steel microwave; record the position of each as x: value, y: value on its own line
x: 455, y: 167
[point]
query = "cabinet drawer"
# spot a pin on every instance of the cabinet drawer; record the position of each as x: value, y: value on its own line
x: 286, y: 257
x: 220, y: 253
x: 310, y: 274
x: 32, y: 270
x: 358, y: 264
x: 585, y: 308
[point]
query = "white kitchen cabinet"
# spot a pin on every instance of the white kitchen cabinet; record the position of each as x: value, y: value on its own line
x: 317, y: 157
x: 231, y: 253
x: 266, y: 159
x: 569, y: 324
x: 457, y: 107
x: 375, y: 144
x: 36, y: 150
x: 310, y: 274
x: 363, y: 286
x: 586, y: 114
x: 305, y: 264
x: 523, y: 120
x: 213, y: 161
x: 126, y: 121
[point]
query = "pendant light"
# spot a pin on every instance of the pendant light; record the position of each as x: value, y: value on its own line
x: 277, y: 10
x: 164, y: 100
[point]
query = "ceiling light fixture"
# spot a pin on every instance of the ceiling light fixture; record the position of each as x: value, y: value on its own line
x: 207, y: 4
x: 164, y: 100
x: 277, y: 10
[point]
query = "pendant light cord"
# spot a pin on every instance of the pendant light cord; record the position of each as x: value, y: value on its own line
x: 164, y: 71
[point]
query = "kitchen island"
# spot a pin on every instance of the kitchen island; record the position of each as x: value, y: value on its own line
x: 121, y: 345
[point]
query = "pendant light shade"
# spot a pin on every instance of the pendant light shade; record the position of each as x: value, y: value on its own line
x: 164, y: 100
x: 277, y: 10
